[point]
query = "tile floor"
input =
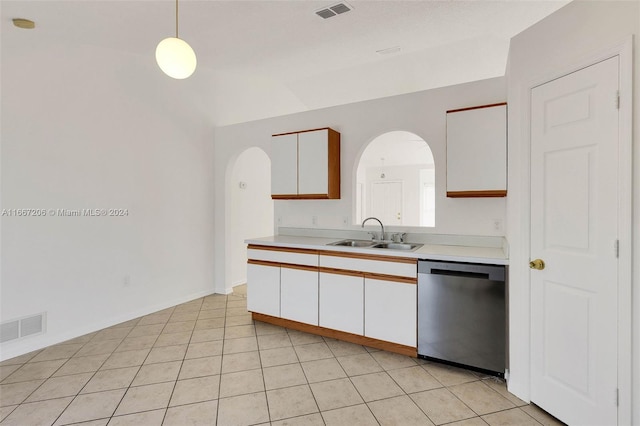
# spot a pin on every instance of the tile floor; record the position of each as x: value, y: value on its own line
x: 206, y: 362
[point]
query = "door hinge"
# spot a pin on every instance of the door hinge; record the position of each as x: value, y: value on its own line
x: 616, y: 247
x: 617, y: 99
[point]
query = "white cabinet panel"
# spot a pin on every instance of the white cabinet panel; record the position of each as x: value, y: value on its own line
x: 313, y: 165
x: 284, y: 164
x: 263, y: 289
x: 299, y: 295
x: 278, y: 256
x: 342, y: 302
x: 391, y: 311
x: 390, y: 267
x: 477, y: 150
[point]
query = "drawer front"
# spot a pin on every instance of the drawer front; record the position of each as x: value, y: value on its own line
x: 409, y: 270
x: 290, y: 257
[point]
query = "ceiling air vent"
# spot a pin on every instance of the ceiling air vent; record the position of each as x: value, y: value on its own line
x: 336, y: 9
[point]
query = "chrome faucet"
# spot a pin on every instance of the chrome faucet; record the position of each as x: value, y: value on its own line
x: 381, y: 225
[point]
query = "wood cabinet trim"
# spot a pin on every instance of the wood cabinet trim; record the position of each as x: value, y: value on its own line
x: 379, y: 257
x: 300, y: 197
x: 283, y: 249
x: 300, y: 267
x: 335, y: 334
x: 478, y: 194
x: 394, y: 278
x: 476, y: 107
x: 263, y: 263
x: 341, y: 272
x: 304, y: 131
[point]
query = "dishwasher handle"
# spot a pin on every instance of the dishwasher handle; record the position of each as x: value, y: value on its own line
x: 459, y: 269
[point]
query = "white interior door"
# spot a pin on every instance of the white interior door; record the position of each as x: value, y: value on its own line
x: 574, y: 202
x: 386, y: 202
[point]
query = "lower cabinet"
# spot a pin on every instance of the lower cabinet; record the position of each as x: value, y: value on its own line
x: 299, y: 294
x: 341, y: 302
x: 263, y: 289
x: 390, y: 311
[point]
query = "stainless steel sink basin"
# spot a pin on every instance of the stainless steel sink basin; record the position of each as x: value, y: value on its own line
x: 397, y: 246
x: 354, y: 243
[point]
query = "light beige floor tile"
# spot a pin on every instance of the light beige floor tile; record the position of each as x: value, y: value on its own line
x: 148, y: 418
x: 391, y: 361
x: 214, y: 304
x: 500, y: 386
x: 278, y: 356
x: 235, y: 311
x: 481, y: 398
x: 99, y: 422
x: 272, y: 341
x: 263, y: 329
x: 204, y: 349
x: 244, y: 344
x: 349, y: 416
x: 15, y: 393
x: 236, y: 331
x: 291, y: 402
x: 284, y: 376
x: 166, y: 354
x: 184, y: 316
x: 6, y: 370
x: 146, y: 330
x: 104, y: 380
x: 211, y: 313
x: 154, y: 319
x: 145, y: 398
x: 313, y: 351
x: 207, y: 335
x: 237, y: 303
x: 341, y: 348
x: 98, y: 347
x: 125, y: 359
x: 541, y: 416
x: 513, y: 417
x: 240, y: 383
x: 335, y: 394
x: 400, y: 410
x: 59, y: 387
x: 243, y: 410
x: 85, y: 364
x: 57, y: 352
x: 118, y: 333
x: 239, y: 320
x: 376, y: 386
x: 136, y: 343
x: 308, y: 420
x: 34, y: 371
x: 5, y: 411
x: 474, y: 421
x: 91, y: 406
x: 201, y: 367
x: 173, y: 339
x: 355, y: 365
x: 157, y: 373
x: 19, y: 360
x: 179, y: 327
x: 191, y: 306
x: 240, y: 362
x: 442, y: 406
x: 199, y: 414
x: 323, y: 369
x: 37, y: 413
x: 206, y: 324
x: 195, y: 390
x: 414, y: 379
x: 300, y: 338
x: 449, y: 376
x: 130, y: 323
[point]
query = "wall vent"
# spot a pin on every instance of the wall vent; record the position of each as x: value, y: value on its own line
x: 333, y: 10
x: 28, y: 326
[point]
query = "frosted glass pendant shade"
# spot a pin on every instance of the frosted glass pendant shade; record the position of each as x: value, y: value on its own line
x: 176, y: 58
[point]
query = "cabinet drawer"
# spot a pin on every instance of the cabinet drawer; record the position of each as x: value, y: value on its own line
x: 383, y: 267
x: 279, y: 256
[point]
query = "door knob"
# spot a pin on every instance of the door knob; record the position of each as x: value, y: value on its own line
x: 537, y: 264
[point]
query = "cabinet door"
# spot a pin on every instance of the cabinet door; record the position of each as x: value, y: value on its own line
x: 342, y: 302
x: 284, y: 164
x: 263, y: 289
x: 299, y: 294
x: 391, y: 311
x: 313, y: 162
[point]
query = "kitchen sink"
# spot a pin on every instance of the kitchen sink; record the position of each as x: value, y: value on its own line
x: 376, y: 245
x: 397, y: 246
x: 354, y: 243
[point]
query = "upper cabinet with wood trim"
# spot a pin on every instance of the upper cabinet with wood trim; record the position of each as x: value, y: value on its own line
x: 305, y: 165
x: 477, y: 151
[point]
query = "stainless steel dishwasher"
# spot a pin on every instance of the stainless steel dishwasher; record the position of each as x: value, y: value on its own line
x: 462, y: 315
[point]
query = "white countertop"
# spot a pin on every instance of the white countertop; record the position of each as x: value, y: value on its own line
x: 456, y: 253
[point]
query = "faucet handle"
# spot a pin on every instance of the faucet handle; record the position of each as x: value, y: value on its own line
x: 398, y: 237
x: 373, y: 235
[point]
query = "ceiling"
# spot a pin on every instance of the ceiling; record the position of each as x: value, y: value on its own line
x: 259, y: 59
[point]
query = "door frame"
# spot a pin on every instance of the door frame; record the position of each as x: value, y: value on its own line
x: 373, y: 182
x: 520, y: 272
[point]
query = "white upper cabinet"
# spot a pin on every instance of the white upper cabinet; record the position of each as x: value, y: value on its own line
x: 306, y: 165
x: 477, y: 151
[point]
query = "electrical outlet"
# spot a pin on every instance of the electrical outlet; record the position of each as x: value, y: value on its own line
x: 126, y: 281
x: 314, y: 220
x: 345, y: 220
x: 497, y: 225
x: 279, y: 220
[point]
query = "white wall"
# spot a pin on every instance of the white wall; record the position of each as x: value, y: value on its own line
x: 251, y: 208
x: 422, y: 113
x: 563, y: 41
x: 85, y: 127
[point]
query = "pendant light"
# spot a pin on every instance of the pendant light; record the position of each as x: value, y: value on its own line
x: 175, y: 57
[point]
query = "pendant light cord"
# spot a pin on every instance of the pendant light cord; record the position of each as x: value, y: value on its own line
x: 177, y: 19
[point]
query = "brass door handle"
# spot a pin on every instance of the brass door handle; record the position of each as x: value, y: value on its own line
x: 537, y: 264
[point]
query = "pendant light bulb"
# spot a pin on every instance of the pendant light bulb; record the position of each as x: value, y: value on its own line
x: 175, y: 57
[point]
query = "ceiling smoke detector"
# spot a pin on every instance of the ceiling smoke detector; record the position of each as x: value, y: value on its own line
x: 333, y: 10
